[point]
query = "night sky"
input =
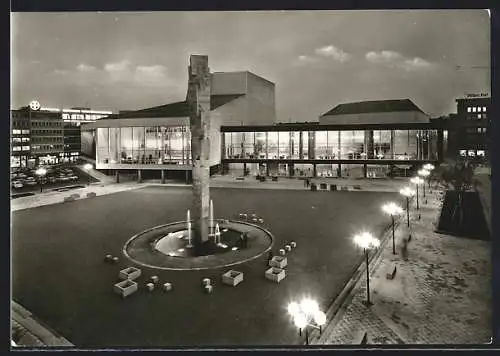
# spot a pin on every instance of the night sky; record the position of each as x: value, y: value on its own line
x: 318, y: 59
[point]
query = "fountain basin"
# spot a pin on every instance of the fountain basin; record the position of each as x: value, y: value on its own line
x: 167, y: 247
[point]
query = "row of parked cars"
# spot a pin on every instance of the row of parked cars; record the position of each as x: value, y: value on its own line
x: 28, y: 177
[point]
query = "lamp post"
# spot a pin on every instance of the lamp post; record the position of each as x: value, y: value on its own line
x: 306, y: 313
x: 87, y: 168
x: 392, y: 209
x: 417, y: 181
x: 424, y: 173
x: 407, y: 192
x: 429, y: 167
x: 41, y: 172
x: 366, y: 241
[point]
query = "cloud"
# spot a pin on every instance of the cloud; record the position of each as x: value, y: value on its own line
x: 333, y: 52
x: 306, y: 59
x: 60, y: 72
x: 82, y: 67
x: 397, y: 60
x: 150, y: 73
x: 117, y: 66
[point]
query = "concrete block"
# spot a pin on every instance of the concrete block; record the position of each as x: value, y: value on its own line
x: 150, y: 286
x: 167, y: 287
x: 131, y: 273
x: 232, y: 278
x: 278, y: 262
x: 125, y: 288
x: 275, y: 274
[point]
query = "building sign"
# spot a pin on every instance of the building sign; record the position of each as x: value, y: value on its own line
x: 474, y: 95
x: 81, y: 116
x: 34, y: 105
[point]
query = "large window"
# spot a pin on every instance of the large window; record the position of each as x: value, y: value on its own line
x: 352, y: 144
x: 284, y: 145
x: 272, y: 145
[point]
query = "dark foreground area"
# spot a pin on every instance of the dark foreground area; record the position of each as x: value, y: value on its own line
x: 59, y: 273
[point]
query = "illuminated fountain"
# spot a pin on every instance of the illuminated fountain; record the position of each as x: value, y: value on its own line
x: 201, y: 236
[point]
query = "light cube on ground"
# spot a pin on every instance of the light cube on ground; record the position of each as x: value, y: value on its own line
x: 154, y: 279
x: 150, y: 286
x: 125, y: 288
x: 293, y: 244
x: 278, y: 262
x: 208, y: 289
x: 167, y: 287
x: 288, y: 248
x: 232, y: 278
x: 282, y: 252
x: 275, y: 274
x: 131, y: 273
x: 206, y: 282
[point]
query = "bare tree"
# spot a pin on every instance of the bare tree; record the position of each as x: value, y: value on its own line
x: 457, y: 176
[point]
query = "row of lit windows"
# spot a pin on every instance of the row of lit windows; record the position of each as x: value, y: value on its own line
x: 46, y: 147
x: 20, y: 132
x: 20, y: 139
x: 476, y: 109
x: 46, y: 139
x: 46, y: 123
x: 476, y: 130
x: 45, y: 132
x: 472, y: 153
x: 21, y: 148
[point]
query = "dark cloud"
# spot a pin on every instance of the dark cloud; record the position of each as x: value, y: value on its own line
x: 317, y: 59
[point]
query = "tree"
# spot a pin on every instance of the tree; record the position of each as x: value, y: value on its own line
x: 457, y: 176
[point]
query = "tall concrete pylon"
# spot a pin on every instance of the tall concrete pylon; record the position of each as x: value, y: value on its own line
x: 198, y: 99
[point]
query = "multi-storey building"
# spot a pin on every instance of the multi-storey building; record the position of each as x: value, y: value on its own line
x: 20, y: 140
x: 46, y: 135
x: 472, y: 126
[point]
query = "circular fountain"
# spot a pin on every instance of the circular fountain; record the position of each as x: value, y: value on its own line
x: 170, y: 246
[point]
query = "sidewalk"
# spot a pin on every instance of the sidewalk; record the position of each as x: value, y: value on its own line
x: 28, y: 332
x: 380, y: 185
x: 441, y: 295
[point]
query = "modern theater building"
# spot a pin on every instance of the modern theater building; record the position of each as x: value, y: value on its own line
x: 363, y: 139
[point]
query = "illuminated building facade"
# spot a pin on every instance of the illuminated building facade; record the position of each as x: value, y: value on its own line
x: 44, y: 136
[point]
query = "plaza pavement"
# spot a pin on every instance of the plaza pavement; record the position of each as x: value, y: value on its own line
x: 441, y: 295
x: 445, y: 282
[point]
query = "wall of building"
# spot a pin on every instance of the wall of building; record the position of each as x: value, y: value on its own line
x: 255, y: 107
x: 261, y: 101
x: 229, y: 83
x: 379, y: 118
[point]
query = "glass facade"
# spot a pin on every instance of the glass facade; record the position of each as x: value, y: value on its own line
x: 333, y: 145
x: 143, y: 145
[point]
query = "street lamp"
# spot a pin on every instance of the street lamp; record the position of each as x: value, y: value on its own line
x: 41, y: 172
x: 429, y: 167
x: 424, y: 173
x: 366, y: 241
x: 306, y: 313
x: 407, y: 192
x: 87, y: 168
x: 417, y: 181
x: 392, y: 209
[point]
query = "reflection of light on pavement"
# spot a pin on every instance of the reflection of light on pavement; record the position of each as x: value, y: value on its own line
x: 181, y: 250
x: 234, y: 248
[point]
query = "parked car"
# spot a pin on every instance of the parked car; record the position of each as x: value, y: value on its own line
x: 73, y: 178
x: 17, y: 184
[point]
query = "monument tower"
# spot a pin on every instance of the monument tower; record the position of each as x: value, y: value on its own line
x: 198, y: 99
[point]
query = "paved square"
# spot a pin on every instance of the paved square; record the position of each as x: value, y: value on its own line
x: 59, y: 273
